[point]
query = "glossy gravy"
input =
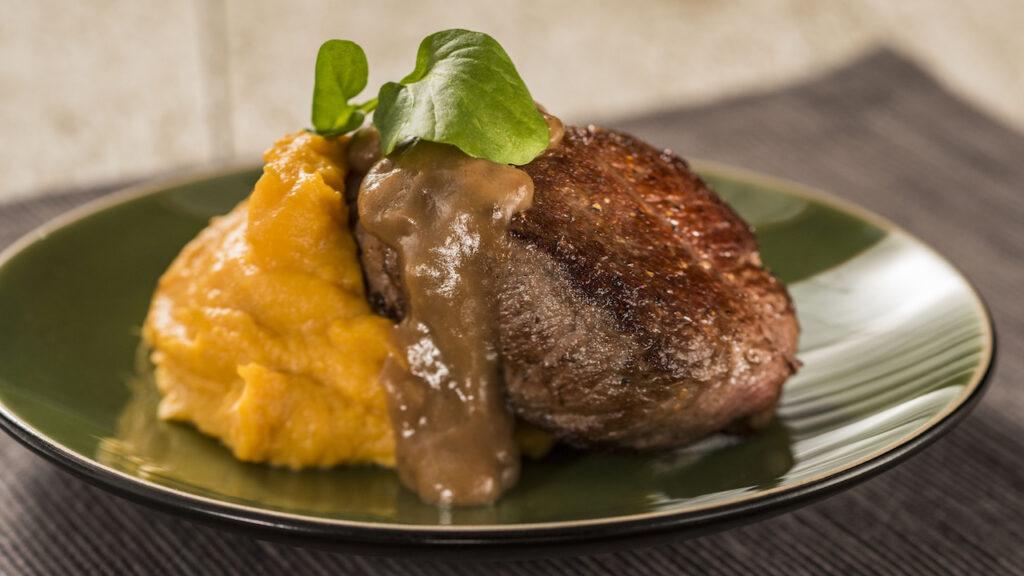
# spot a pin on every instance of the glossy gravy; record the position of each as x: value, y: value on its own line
x: 446, y: 214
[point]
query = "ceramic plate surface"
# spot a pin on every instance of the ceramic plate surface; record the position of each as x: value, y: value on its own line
x: 895, y: 344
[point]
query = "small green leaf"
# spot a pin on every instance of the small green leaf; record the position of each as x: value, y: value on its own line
x: 464, y: 91
x: 341, y: 73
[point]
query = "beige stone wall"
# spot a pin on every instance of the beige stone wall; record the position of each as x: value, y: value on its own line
x: 96, y: 91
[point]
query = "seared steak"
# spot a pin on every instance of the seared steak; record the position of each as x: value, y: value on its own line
x: 635, y: 311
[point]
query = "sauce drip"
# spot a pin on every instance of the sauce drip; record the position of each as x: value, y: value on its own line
x: 447, y: 215
x: 556, y: 130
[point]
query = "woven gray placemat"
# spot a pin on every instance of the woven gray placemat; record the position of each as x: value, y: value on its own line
x: 878, y: 132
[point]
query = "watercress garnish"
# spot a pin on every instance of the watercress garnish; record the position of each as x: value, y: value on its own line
x: 464, y: 91
x: 341, y: 72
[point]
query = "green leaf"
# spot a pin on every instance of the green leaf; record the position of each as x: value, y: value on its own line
x: 464, y: 91
x: 341, y: 73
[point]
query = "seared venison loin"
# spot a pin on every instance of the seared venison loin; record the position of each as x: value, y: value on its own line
x: 634, y: 309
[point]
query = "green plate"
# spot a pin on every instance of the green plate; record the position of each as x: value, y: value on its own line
x: 896, y: 346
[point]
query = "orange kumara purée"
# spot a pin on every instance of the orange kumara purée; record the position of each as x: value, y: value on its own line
x: 260, y: 329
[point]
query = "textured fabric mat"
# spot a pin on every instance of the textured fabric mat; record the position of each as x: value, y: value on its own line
x: 878, y: 132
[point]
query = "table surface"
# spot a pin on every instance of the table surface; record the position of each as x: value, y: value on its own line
x: 878, y: 132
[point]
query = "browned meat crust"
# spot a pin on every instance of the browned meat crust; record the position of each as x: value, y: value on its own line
x: 635, y: 311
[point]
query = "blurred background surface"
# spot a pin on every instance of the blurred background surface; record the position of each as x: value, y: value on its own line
x: 96, y: 92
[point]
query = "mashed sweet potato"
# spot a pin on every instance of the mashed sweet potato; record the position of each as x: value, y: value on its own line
x: 260, y: 330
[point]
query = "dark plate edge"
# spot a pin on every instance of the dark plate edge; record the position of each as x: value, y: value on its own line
x: 495, y: 544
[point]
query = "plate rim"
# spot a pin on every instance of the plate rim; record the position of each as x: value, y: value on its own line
x: 377, y: 537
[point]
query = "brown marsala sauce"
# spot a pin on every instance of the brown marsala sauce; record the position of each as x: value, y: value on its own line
x: 446, y: 214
